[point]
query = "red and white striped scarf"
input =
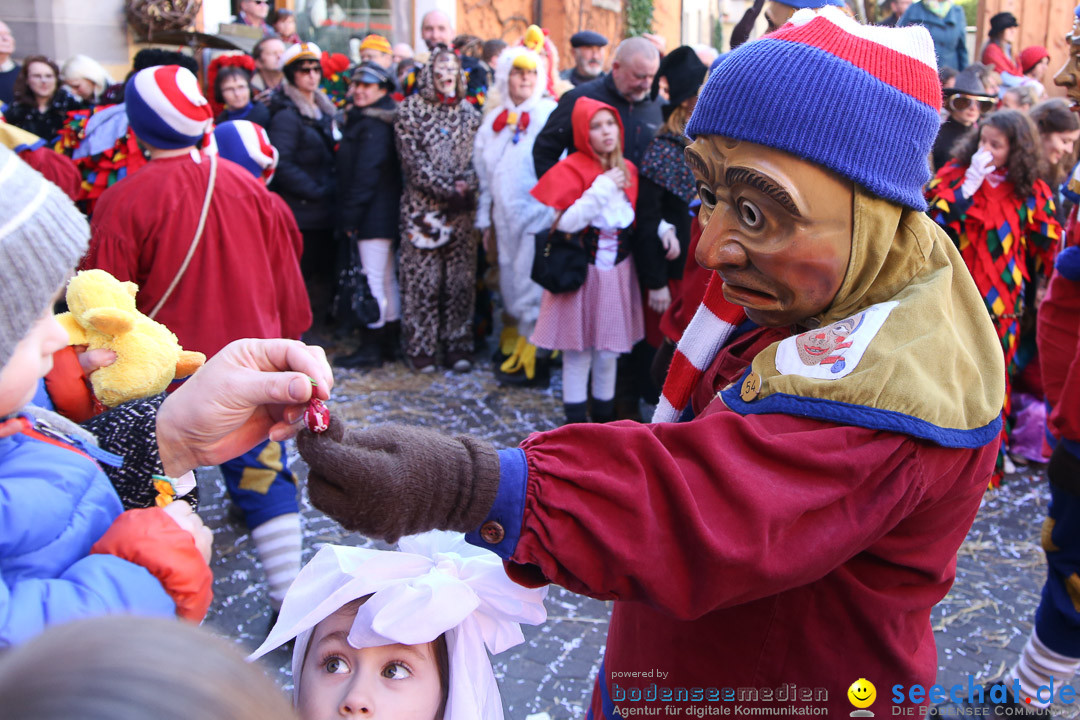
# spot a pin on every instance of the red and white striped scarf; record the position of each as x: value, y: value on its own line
x: 708, y: 331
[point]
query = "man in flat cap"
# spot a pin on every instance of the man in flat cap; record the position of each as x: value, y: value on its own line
x: 589, y: 50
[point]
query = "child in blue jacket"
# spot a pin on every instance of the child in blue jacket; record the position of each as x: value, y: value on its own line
x: 67, y: 549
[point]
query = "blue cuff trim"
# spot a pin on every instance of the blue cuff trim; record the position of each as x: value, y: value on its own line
x: 861, y: 416
x: 509, y: 508
x: 1072, y: 446
x: 1068, y: 263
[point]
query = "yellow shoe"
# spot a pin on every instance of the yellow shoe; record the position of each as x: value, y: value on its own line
x: 528, y: 360
x: 513, y: 363
x: 508, y: 339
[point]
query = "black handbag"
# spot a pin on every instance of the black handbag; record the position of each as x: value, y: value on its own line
x: 561, y: 261
x: 354, y: 304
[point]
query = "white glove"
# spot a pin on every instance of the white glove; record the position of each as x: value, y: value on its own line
x: 669, y: 240
x: 186, y: 518
x: 659, y: 300
x: 977, y: 171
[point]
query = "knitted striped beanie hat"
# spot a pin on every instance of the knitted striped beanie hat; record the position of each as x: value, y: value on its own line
x: 166, y: 109
x: 247, y: 145
x: 860, y: 100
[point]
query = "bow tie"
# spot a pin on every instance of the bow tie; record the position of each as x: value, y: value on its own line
x: 511, y: 118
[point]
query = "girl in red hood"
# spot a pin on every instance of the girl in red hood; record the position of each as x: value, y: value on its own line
x: 595, y: 190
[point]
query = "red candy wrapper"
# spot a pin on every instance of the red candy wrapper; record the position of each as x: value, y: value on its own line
x: 317, y: 416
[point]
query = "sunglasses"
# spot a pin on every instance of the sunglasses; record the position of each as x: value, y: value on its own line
x: 960, y: 103
x: 261, y: 2
x: 309, y: 69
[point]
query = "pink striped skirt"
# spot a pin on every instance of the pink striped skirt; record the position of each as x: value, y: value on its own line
x: 603, y: 314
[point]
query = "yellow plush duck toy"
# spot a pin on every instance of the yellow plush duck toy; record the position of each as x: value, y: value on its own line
x: 148, y: 356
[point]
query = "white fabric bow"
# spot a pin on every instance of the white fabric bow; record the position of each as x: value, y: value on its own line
x: 436, y: 584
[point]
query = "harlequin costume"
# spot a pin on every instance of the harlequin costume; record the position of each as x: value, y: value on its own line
x: 1005, y: 241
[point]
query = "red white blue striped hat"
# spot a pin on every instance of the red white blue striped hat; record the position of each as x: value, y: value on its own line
x: 166, y: 109
x: 248, y: 145
x: 861, y: 100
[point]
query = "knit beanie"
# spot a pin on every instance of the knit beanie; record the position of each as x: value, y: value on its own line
x: 860, y: 100
x: 247, y: 145
x: 166, y: 109
x: 42, y: 238
x: 1031, y: 56
x: 376, y: 42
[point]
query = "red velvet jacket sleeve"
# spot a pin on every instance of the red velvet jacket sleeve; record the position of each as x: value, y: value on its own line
x: 726, y: 509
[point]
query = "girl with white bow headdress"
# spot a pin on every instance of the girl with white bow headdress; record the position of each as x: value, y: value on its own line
x: 402, y: 634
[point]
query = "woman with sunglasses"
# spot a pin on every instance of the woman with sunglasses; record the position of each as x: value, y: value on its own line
x: 303, y: 128
x: 965, y: 102
x: 990, y: 199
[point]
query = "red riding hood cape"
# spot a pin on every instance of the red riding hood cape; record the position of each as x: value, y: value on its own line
x: 563, y: 184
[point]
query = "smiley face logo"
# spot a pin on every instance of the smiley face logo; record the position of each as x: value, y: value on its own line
x: 862, y: 693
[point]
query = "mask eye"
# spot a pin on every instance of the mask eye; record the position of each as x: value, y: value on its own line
x: 708, y: 197
x: 750, y: 214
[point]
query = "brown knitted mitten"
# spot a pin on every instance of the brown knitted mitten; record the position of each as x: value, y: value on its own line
x: 393, y: 480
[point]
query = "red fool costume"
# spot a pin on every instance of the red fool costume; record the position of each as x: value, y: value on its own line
x: 244, y: 279
x: 798, y: 530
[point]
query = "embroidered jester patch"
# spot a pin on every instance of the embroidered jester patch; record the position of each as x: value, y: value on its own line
x: 833, y: 351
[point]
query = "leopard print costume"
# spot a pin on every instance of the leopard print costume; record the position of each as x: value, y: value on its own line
x: 438, y: 270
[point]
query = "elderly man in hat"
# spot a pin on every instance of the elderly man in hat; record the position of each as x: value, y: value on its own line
x: 828, y: 428
x: 588, y: 48
x: 216, y: 259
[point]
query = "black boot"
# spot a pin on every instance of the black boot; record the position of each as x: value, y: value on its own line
x: 391, y: 341
x: 575, y: 412
x: 603, y: 411
x: 370, y: 353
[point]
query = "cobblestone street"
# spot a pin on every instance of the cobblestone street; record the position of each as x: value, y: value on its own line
x: 980, y: 627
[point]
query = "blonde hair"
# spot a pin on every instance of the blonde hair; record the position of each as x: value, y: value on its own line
x: 613, y: 159
x: 676, y: 122
x: 80, y: 67
x: 125, y: 667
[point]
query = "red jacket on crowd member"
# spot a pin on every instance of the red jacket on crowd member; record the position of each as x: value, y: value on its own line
x: 995, y: 57
x: 244, y: 277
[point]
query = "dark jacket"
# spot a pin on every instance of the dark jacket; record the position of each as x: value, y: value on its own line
x: 950, y: 132
x: 368, y: 173
x: 949, y: 33
x: 665, y: 191
x: 46, y: 124
x: 305, y: 171
x: 7, y: 84
x: 255, y: 112
x: 640, y: 122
